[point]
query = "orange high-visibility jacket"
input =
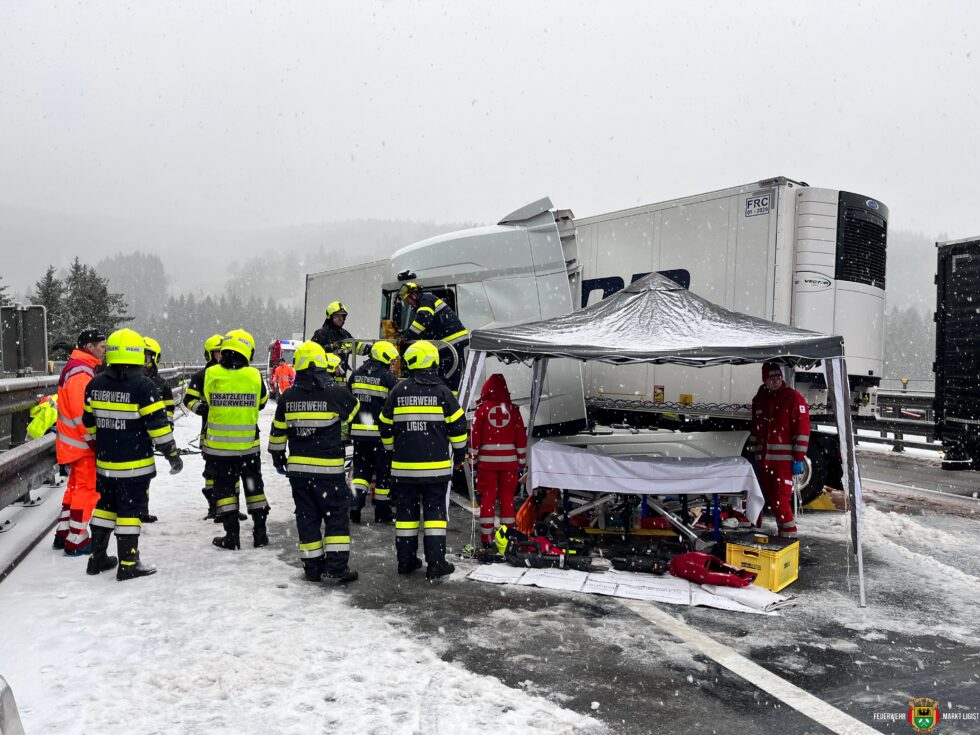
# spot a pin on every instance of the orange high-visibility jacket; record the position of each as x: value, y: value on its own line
x: 73, y: 442
x: 284, y: 376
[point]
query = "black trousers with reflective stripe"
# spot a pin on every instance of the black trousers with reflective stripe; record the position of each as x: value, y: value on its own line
x: 226, y: 471
x: 125, y: 498
x: 407, y: 497
x: 371, y: 459
x: 322, y: 505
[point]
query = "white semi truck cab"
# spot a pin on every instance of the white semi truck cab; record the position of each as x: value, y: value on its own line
x: 777, y: 249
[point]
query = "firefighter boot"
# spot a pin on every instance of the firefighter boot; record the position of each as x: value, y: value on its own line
x: 344, y: 577
x: 260, y: 537
x: 130, y: 566
x: 382, y: 513
x: 439, y: 569
x: 100, y: 561
x: 313, y: 569
x: 230, y: 539
x: 409, y: 567
x: 207, y: 496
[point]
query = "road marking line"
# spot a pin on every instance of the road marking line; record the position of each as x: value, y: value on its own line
x: 941, y: 493
x: 802, y: 701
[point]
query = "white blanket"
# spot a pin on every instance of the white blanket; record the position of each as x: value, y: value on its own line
x: 635, y: 586
x: 574, y: 468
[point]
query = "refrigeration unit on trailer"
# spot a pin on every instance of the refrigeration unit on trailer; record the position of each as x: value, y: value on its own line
x: 357, y: 286
x: 957, y: 366
x: 777, y: 249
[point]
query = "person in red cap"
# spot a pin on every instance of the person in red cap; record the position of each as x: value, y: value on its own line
x: 778, y: 443
x: 498, y: 446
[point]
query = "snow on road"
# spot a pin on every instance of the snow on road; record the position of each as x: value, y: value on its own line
x: 230, y: 642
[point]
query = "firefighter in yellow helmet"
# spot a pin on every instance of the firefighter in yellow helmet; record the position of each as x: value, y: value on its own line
x: 194, y: 400
x: 370, y: 384
x: 152, y: 352
x: 309, y: 419
x: 333, y: 337
x: 234, y: 393
x: 434, y: 319
x: 127, y: 418
x: 419, y: 421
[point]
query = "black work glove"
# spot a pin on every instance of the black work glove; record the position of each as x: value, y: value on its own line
x: 279, y: 462
x: 176, y: 463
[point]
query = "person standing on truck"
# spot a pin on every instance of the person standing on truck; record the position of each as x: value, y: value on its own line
x: 778, y: 444
x: 498, y: 447
x: 310, y: 418
x: 126, y: 419
x: 235, y: 393
x: 334, y: 338
x: 370, y: 384
x: 283, y: 377
x: 434, y: 319
x: 73, y: 446
x: 419, y: 421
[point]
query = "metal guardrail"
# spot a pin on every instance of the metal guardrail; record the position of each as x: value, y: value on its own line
x: 25, y: 467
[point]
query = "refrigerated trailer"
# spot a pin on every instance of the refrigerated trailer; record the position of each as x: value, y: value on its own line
x: 777, y: 248
x: 957, y: 366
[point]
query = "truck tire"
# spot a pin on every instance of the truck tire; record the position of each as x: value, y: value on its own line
x: 822, y: 466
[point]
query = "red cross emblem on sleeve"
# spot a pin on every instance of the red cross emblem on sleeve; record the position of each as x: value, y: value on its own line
x: 499, y: 416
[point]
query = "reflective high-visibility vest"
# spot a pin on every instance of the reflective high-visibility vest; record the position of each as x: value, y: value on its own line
x: 43, y: 416
x: 233, y: 398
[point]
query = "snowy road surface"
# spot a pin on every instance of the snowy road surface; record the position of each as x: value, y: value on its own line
x: 236, y: 642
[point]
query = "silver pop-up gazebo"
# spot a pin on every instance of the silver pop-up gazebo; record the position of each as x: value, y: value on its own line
x: 654, y: 320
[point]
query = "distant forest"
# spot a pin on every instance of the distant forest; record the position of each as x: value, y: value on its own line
x: 264, y: 295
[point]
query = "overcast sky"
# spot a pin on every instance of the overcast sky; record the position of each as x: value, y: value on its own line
x: 251, y: 114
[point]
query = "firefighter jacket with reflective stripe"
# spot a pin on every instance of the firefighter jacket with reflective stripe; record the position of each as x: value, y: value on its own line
x: 127, y: 418
x: 370, y: 384
x: 194, y: 397
x: 498, y: 439
x: 234, y: 393
x: 333, y: 338
x: 419, y: 421
x: 780, y: 426
x: 434, y: 319
x: 166, y: 393
x: 310, y: 416
x: 72, y: 442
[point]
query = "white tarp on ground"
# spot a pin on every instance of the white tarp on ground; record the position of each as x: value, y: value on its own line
x: 575, y: 468
x: 634, y: 586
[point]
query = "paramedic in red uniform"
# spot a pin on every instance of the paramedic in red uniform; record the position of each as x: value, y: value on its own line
x: 498, y: 444
x: 778, y: 443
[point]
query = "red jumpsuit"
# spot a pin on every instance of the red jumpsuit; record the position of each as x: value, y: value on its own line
x: 498, y: 444
x: 780, y: 435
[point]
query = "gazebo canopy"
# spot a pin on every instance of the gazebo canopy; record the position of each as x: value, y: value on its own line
x: 655, y: 320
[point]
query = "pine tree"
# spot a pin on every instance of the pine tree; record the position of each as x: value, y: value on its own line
x: 4, y: 299
x: 88, y: 301
x: 49, y: 292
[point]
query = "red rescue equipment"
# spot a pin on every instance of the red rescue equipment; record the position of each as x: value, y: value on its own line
x: 707, y: 569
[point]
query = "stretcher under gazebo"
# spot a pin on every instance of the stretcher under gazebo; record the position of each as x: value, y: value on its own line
x: 653, y: 320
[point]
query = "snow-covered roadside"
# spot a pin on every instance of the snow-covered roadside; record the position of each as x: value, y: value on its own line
x: 222, y: 642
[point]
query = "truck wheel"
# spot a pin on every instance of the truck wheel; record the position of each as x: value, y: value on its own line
x: 818, y: 469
